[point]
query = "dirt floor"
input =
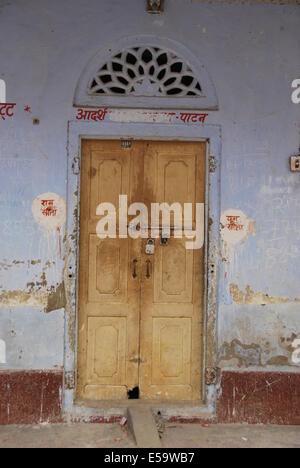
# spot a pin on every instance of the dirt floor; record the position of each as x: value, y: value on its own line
x: 173, y: 436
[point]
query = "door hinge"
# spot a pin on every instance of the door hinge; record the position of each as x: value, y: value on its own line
x: 76, y: 166
x: 212, y: 375
x: 212, y: 164
x: 69, y: 380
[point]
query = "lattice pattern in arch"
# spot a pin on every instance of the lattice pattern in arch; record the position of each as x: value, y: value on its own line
x: 145, y: 71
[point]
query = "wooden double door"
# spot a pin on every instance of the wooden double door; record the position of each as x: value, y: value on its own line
x: 140, y: 314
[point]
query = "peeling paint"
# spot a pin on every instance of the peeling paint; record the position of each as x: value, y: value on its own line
x: 211, y: 317
x: 68, y: 292
x: 7, y: 266
x: 246, y: 355
x: 278, y: 361
x: 37, y: 296
x: 57, y: 299
x: 272, y: 328
x: 212, y: 164
x: 23, y: 299
x: 250, y: 297
x: 286, y: 342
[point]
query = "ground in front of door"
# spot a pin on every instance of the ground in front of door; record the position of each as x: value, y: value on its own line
x: 174, y: 435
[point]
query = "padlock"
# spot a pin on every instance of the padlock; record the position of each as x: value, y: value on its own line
x: 150, y: 247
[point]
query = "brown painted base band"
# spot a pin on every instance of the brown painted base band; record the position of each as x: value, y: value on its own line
x: 30, y: 397
x: 259, y: 398
x: 34, y: 397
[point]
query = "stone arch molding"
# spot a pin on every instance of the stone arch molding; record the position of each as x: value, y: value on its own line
x: 146, y: 72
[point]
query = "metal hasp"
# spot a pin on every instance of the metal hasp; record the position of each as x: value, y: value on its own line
x: 155, y: 6
x: 126, y: 144
x: 164, y: 241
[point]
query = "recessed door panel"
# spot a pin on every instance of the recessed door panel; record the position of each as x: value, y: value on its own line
x: 173, y: 273
x: 108, y: 270
x: 172, y: 344
x: 107, y: 350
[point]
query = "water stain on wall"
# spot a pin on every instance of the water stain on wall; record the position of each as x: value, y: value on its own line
x: 249, y: 296
x: 23, y: 299
x: 8, y: 265
x: 57, y: 299
x: 246, y: 355
x: 36, y: 295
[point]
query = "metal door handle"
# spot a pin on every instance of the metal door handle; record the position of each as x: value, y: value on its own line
x: 148, y: 274
x: 134, y: 274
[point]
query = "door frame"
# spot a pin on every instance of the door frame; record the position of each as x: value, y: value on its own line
x: 211, y: 134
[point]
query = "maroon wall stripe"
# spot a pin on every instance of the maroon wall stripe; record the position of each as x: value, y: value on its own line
x: 259, y: 398
x: 34, y: 397
x: 30, y: 397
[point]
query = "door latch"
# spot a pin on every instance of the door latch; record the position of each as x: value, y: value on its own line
x: 137, y: 360
x: 148, y: 274
x: 134, y: 273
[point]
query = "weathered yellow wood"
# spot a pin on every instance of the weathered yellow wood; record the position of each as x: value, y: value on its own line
x: 139, y: 332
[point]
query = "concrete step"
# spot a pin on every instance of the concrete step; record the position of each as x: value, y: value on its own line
x: 142, y: 424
